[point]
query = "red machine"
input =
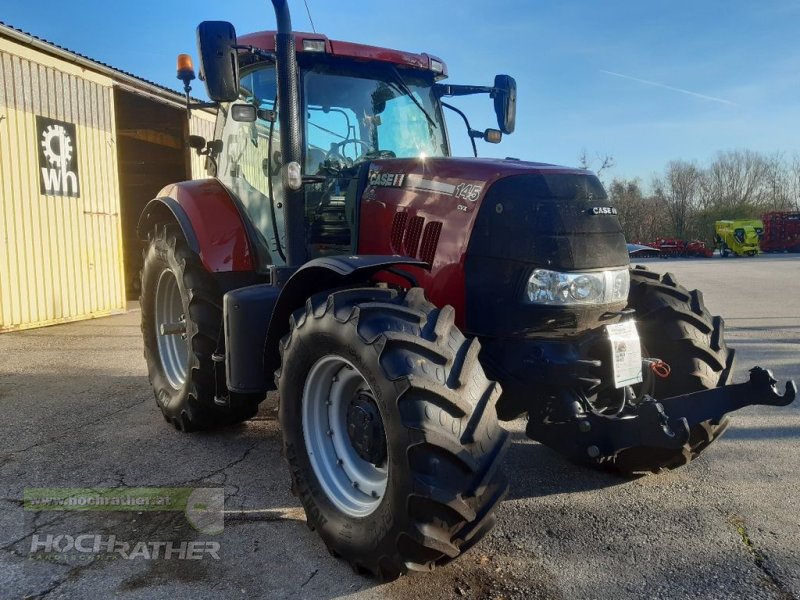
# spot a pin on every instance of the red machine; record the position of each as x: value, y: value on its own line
x: 401, y: 300
x: 781, y: 232
x: 699, y: 248
x: 671, y: 248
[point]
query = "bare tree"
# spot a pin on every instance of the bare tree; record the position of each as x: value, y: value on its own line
x: 678, y: 191
x: 687, y: 199
x: 794, y: 182
x: 640, y: 219
x: 604, y: 162
x: 738, y: 179
x: 778, y: 183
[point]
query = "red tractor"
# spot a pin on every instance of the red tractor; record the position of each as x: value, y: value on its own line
x: 340, y: 255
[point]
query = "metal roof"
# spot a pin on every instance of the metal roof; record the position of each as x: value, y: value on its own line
x: 125, y: 78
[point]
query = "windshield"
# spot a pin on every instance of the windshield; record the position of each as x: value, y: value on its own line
x: 366, y: 112
x: 353, y: 114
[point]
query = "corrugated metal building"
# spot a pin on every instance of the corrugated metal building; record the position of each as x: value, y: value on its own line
x: 83, y: 147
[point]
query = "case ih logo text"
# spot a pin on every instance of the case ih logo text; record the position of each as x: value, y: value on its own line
x: 58, y: 162
x: 602, y: 210
x: 386, y: 179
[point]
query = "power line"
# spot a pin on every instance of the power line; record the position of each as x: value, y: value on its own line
x: 308, y: 10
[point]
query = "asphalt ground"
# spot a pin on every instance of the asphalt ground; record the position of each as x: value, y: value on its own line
x: 77, y: 412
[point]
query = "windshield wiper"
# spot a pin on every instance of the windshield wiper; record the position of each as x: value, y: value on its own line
x: 333, y: 133
x: 401, y: 84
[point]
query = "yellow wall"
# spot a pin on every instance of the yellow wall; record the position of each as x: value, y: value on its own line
x: 60, y: 257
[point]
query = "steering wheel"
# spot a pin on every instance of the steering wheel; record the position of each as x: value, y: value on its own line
x: 335, y: 163
x: 335, y: 158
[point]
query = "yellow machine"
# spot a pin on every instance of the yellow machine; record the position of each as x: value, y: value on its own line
x: 740, y: 237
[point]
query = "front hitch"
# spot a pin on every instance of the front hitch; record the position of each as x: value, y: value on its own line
x: 651, y: 434
x: 714, y: 404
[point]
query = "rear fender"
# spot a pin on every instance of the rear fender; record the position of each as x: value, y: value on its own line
x: 212, y: 223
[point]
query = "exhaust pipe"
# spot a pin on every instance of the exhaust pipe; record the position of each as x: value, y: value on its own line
x: 291, y: 136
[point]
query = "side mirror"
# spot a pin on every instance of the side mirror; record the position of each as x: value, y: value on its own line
x: 216, y: 42
x: 505, y: 102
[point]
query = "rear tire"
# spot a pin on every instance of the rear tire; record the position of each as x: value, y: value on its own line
x: 180, y: 368
x: 675, y: 326
x: 443, y: 444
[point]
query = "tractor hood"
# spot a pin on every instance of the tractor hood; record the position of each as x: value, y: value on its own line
x: 483, y: 225
x: 454, y: 171
x: 548, y: 215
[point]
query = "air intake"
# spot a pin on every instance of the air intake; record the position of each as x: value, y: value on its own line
x: 430, y: 240
x: 407, y: 233
x: 411, y: 238
x: 398, y: 229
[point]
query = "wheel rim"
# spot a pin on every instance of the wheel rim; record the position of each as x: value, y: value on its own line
x: 170, y: 323
x: 334, y: 392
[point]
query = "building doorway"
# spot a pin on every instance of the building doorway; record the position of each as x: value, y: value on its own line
x: 151, y: 153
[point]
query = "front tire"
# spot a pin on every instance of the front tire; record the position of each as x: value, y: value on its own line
x: 181, y: 323
x: 416, y: 482
x: 675, y: 326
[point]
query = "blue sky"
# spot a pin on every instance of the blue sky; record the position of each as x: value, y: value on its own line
x: 646, y: 82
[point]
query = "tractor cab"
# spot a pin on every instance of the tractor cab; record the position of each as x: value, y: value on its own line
x: 359, y: 104
x: 353, y: 113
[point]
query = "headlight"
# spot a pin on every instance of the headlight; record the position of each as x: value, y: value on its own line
x: 563, y: 289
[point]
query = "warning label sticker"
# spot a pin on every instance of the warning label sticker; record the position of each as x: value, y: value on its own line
x: 626, y: 353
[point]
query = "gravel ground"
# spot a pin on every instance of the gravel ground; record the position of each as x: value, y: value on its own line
x: 78, y: 412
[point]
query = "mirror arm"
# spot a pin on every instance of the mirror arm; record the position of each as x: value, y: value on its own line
x: 187, y: 90
x: 470, y: 131
x: 197, y: 105
x: 448, y: 90
x: 263, y: 54
x: 190, y: 106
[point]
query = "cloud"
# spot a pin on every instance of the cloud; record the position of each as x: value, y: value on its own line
x: 669, y: 87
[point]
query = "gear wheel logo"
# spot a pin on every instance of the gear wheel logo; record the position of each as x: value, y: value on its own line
x: 57, y: 146
x: 58, y: 157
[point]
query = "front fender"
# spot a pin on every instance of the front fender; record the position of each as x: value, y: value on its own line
x: 211, y: 222
x: 317, y: 276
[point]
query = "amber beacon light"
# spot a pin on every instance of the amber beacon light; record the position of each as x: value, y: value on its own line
x: 185, y: 68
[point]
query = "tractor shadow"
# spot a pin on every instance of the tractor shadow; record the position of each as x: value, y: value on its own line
x: 535, y: 470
